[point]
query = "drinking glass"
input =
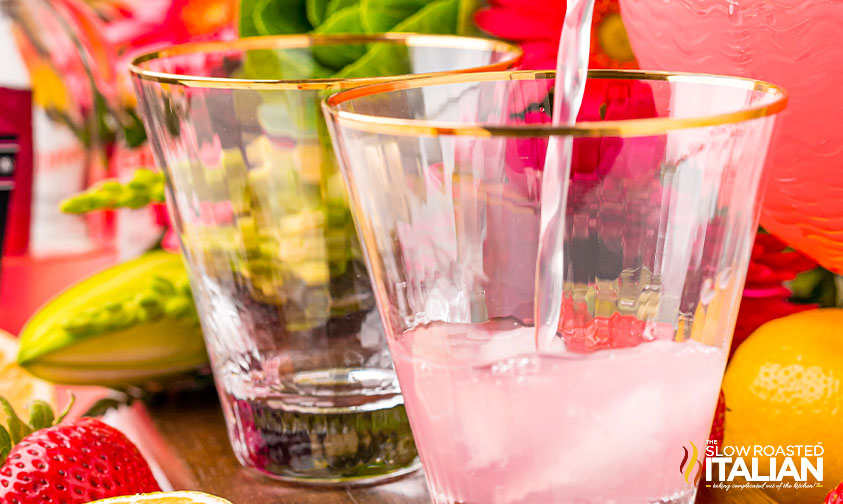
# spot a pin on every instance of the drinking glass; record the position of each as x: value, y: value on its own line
x: 298, y: 352
x: 444, y: 177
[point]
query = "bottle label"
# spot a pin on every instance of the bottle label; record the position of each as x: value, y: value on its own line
x: 8, y: 153
x: 16, y: 168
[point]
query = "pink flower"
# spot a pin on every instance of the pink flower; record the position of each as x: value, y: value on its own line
x: 170, y: 241
x: 136, y: 24
x: 536, y: 26
x: 118, y: 30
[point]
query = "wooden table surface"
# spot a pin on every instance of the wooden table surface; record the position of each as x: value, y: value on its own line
x: 186, y: 435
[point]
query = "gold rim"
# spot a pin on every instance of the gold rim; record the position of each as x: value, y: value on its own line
x: 303, y: 41
x: 629, y: 127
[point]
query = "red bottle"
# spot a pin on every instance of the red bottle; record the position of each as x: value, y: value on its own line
x: 15, y: 169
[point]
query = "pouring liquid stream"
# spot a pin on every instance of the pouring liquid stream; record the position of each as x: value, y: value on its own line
x: 571, y: 72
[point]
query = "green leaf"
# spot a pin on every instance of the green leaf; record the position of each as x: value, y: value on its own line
x: 439, y: 17
x: 391, y: 59
x: 383, y: 15
x: 66, y: 410
x: 279, y: 17
x: 17, y: 429
x: 133, y: 131
x: 816, y: 286
x: 5, y: 444
x: 317, y: 11
x: 286, y: 115
x: 337, y: 5
x: 171, y: 118
x: 337, y: 56
x: 115, y: 401
x: 40, y: 415
x: 345, y: 20
x: 380, y: 60
x: 247, y: 24
x: 465, y: 17
x: 283, y: 64
x: 261, y: 64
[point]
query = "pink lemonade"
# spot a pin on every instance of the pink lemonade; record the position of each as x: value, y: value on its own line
x: 497, y: 423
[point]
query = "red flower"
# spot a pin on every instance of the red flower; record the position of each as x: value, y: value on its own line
x: 634, y: 159
x: 765, y: 297
x: 536, y: 26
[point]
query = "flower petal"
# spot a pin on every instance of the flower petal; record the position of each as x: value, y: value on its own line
x: 517, y: 25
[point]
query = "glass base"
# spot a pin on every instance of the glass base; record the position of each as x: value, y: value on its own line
x: 316, y: 481
x: 325, y: 439
x: 681, y: 497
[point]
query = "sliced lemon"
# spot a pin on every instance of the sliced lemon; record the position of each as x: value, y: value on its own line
x: 18, y: 386
x: 166, y: 498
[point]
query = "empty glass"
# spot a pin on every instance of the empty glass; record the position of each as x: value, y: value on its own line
x: 299, y: 354
x: 445, y: 175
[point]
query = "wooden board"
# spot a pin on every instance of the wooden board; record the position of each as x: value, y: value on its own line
x: 186, y: 435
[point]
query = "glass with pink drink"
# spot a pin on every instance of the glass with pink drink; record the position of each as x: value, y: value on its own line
x: 445, y: 176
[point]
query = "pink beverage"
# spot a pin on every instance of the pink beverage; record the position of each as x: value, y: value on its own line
x: 792, y: 43
x: 497, y: 423
x: 585, y: 385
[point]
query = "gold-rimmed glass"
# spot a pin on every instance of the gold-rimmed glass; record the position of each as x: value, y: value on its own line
x: 298, y: 352
x: 444, y: 176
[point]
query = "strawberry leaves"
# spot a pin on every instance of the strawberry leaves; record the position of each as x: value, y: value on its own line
x: 40, y: 417
x: 5, y: 444
x: 17, y: 428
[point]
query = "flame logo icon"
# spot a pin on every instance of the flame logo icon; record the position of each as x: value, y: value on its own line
x: 689, y: 461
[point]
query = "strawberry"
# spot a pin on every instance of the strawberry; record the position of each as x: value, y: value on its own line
x: 835, y: 496
x: 719, y: 419
x: 46, y: 461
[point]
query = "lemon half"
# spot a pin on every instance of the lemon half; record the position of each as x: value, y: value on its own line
x: 18, y: 386
x: 166, y: 498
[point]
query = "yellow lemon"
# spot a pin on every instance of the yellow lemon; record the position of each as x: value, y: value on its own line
x: 16, y: 385
x: 166, y: 498
x: 783, y: 387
